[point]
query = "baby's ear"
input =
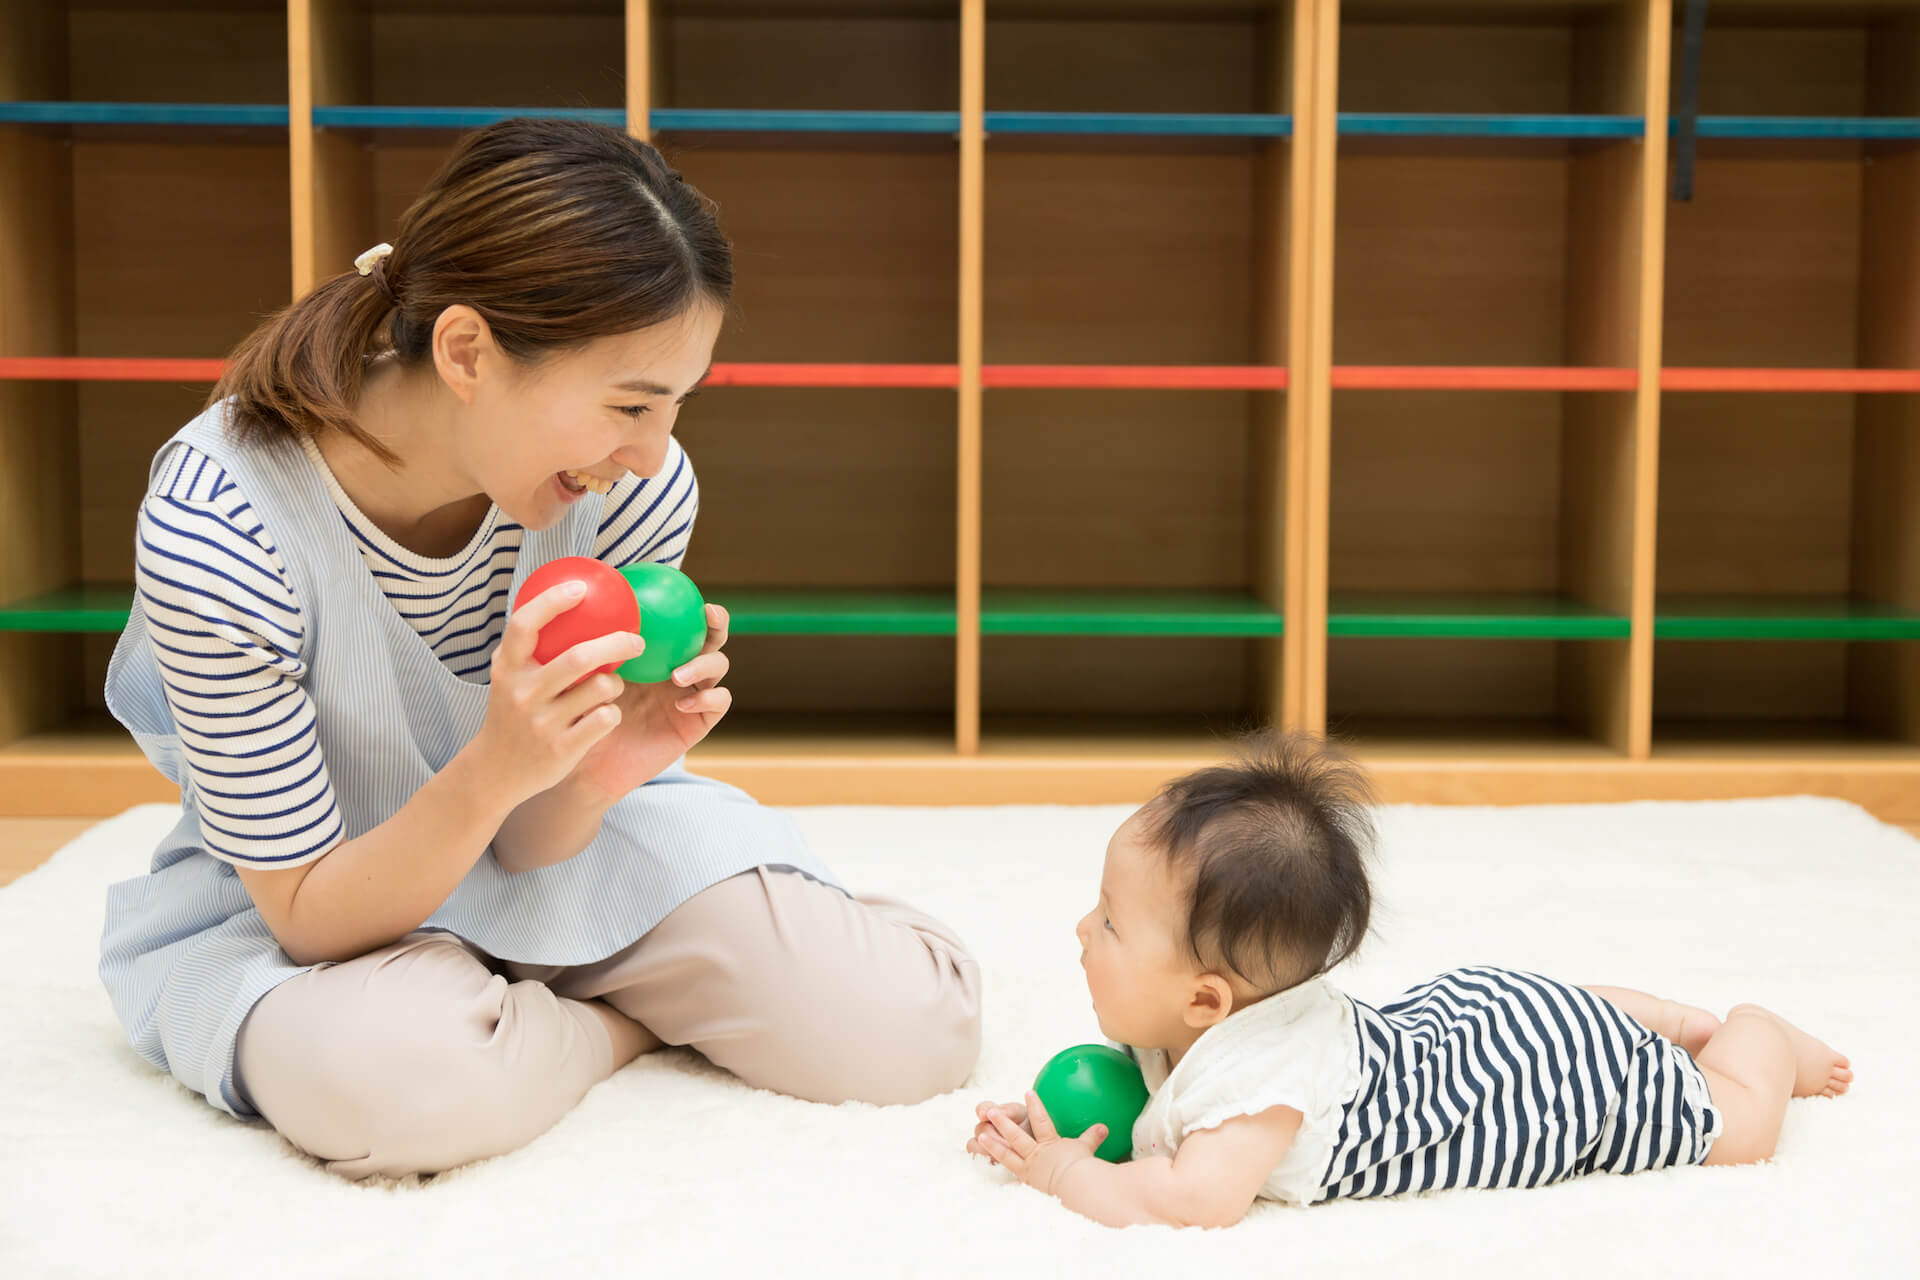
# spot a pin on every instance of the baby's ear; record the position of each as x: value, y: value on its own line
x: 1210, y: 1001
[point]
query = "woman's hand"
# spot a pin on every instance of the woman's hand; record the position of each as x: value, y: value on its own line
x: 1033, y: 1151
x: 659, y: 723
x: 542, y: 721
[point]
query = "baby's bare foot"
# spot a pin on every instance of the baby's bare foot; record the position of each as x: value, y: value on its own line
x: 1818, y: 1070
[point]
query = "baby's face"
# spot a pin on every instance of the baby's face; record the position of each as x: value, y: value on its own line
x: 1133, y: 945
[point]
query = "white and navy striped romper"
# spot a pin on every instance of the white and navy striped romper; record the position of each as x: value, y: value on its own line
x: 1481, y: 1077
x: 300, y: 675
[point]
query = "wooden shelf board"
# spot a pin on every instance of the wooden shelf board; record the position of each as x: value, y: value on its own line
x: 1475, y: 616
x: 92, y: 769
x: 1692, y: 617
x: 1509, y: 740
x: 1778, y: 742
x: 1078, y: 612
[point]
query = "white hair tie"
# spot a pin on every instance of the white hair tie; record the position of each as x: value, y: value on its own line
x: 366, y: 262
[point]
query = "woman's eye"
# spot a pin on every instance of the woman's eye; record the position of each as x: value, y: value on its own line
x: 634, y: 410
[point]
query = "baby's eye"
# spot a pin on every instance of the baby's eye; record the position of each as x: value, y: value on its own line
x: 1106, y: 924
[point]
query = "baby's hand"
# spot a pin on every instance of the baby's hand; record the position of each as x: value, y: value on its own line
x: 1014, y: 1111
x: 1033, y: 1150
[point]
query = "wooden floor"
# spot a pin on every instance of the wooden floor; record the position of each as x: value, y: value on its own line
x: 26, y: 842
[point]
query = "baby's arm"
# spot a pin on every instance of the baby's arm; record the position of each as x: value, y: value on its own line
x: 1210, y: 1182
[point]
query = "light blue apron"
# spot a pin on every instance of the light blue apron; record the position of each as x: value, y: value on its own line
x: 185, y: 956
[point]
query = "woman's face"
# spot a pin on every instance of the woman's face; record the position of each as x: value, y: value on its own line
x: 548, y: 434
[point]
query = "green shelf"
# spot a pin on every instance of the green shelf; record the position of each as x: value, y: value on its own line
x: 800, y: 611
x: 89, y: 607
x: 1781, y: 618
x: 1462, y: 616
x: 1012, y: 611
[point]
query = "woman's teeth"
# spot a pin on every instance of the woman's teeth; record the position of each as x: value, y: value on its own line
x: 582, y: 480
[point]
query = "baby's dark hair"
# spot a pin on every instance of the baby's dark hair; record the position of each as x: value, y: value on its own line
x: 1273, y: 850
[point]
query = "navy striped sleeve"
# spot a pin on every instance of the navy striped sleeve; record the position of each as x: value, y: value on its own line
x: 650, y: 519
x: 226, y: 633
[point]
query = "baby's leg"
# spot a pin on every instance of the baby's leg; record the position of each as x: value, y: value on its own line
x: 1685, y: 1025
x: 1756, y: 1062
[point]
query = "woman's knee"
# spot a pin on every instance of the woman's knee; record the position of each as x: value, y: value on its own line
x: 869, y: 1001
x: 395, y: 1063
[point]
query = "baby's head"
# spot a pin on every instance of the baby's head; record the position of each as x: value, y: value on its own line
x: 1233, y: 883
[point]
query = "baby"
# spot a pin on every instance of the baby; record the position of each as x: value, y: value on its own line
x: 1222, y: 904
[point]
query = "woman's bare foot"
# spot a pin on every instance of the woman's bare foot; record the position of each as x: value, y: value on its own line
x: 1818, y: 1070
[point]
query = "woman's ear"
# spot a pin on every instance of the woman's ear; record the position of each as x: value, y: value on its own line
x: 462, y: 340
x: 1209, y: 1002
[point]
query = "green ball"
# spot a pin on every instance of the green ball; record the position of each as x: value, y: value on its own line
x: 673, y: 622
x: 1093, y: 1084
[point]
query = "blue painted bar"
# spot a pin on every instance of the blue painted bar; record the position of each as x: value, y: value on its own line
x: 1834, y: 128
x: 455, y: 117
x: 1140, y: 124
x: 1111, y: 124
x: 251, y: 115
x: 689, y: 119
x: 1361, y: 124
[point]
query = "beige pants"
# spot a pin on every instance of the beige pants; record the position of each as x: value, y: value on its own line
x: 425, y: 1055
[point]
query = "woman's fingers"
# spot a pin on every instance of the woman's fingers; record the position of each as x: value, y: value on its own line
x: 712, y: 704
x: 580, y: 662
x: 705, y: 671
x: 718, y: 623
x: 523, y: 626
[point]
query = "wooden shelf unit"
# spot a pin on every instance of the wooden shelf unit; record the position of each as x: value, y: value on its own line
x: 1107, y: 377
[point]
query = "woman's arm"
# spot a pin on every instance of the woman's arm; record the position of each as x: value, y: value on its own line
x: 376, y: 888
x: 1210, y: 1182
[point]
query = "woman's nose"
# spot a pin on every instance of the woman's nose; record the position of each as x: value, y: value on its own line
x: 644, y: 459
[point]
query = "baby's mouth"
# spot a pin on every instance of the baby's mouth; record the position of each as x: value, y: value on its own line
x: 584, y: 482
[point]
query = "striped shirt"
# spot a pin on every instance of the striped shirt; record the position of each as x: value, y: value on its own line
x: 1481, y: 1077
x: 226, y: 633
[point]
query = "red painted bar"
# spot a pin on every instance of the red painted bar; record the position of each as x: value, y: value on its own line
x: 1372, y: 377
x: 1790, y: 380
x: 1136, y: 377
x: 104, y: 369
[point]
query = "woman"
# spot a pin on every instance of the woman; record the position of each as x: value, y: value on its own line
x: 425, y: 892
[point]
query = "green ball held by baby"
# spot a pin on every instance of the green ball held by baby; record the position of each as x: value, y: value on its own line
x: 1093, y: 1084
x: 657, y: 600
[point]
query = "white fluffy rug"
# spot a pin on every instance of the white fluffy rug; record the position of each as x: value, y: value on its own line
x: 671, y: 1168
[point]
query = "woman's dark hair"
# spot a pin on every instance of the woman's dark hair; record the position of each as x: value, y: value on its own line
x: 557, y: 232
x: 1273, y: 850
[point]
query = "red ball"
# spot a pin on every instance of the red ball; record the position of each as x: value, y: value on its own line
x: 608, y: 606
